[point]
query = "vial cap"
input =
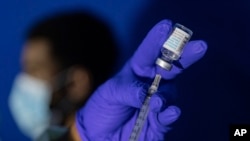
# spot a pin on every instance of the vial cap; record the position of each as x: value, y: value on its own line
x: 163, y: 64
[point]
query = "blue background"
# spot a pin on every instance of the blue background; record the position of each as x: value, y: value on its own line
x: 213, y: 93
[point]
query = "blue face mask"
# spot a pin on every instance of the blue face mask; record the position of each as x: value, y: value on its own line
x: 29, y: 105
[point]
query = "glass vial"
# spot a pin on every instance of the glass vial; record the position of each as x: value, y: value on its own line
x: 173, y: 46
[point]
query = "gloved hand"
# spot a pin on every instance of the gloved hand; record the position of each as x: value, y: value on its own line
x: 111, y: 112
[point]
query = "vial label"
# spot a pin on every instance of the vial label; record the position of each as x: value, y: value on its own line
x: 176, y: 41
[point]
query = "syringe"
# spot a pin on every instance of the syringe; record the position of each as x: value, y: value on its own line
x: 144, y: 109
x: 171, y: 51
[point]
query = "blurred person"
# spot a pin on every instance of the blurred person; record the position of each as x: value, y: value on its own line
x: 65, y: 57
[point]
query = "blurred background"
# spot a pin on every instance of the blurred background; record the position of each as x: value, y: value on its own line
x: 213, y: 93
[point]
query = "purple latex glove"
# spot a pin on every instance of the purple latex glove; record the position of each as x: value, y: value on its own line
x: 111, y: 112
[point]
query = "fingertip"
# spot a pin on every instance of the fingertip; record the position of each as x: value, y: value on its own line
x: 165, y: 26
x: 203, y: 43
x: 196, y: 47
x: 201, y: 46
x: 174, y: 110
x: 165, y: 22
x: 156, y: 104
x: 170, y: 115
x: 193, y: 52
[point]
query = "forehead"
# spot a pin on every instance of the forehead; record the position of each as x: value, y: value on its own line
x: 37, y: 59
x: 37, y: 49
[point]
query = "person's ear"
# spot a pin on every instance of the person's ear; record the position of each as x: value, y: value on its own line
x: 80, y: 84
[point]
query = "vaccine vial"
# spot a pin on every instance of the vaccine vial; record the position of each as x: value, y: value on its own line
x: 173, y: 46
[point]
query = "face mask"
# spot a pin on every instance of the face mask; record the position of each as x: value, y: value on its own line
x: 29, y: 104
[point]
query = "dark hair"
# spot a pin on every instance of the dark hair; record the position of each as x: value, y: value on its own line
x: 79, y: 38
